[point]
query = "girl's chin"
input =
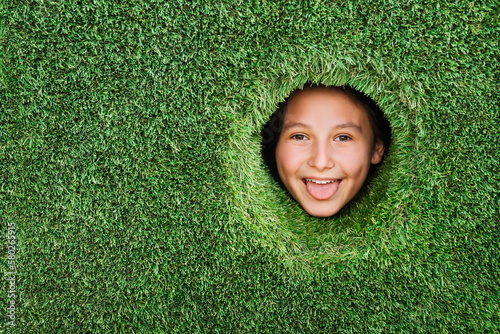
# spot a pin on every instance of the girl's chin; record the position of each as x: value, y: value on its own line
x: 321, y: 213
x: 321, y: 208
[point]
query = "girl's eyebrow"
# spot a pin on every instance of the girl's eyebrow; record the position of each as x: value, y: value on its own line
x: 336, y: 127
x: 348, y: 125
x: 295, y: 125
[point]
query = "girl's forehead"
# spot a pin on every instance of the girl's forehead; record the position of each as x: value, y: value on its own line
x: 319, y: 98
x: 323, y: 103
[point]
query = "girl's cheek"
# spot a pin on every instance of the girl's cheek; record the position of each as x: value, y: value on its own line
x: 295, y: 157
x: 351, y: 161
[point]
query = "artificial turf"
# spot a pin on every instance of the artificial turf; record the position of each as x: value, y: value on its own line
x: 130, y: 165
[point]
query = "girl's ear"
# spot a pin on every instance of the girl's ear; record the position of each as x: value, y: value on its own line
x: 378, y: 152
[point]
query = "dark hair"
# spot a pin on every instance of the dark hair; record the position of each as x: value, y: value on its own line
x: 271, y: 131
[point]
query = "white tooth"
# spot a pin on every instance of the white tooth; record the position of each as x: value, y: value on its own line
x: 319, y: 182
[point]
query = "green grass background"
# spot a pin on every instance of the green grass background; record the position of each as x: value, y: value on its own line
x: 129, y: 162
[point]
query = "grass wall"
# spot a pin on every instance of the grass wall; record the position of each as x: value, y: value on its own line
x: 130, y: 165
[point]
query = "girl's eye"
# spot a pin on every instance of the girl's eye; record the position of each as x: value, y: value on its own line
x: 343, y: 138
x: 299, y: 137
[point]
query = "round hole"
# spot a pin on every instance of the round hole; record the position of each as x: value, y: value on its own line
x: 275, y: 219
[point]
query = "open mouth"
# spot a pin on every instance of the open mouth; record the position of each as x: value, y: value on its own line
x: 321, y: 189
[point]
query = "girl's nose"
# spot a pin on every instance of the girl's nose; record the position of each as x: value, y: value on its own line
x: 321, y: 156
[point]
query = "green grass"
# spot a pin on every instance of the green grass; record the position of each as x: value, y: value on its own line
x: 130, y: 164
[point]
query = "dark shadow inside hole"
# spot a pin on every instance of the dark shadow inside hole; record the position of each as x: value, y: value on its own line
x: 271, y: 132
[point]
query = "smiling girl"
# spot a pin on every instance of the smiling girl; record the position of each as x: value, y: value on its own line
x: 320, y: 146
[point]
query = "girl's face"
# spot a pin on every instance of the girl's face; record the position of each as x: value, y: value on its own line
x: 325, y: 150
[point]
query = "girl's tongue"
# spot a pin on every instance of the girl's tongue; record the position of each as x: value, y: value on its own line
x: 322, y: 191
